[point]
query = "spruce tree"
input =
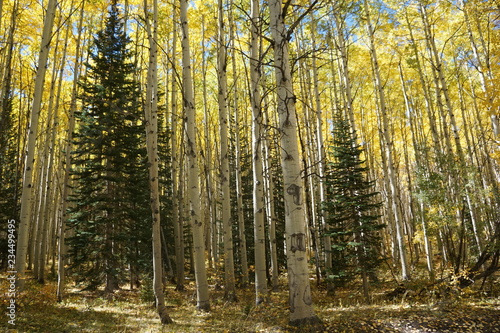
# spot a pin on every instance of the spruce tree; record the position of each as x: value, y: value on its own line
x: 10, y: 175
x: 110, y: 218
x: 352, y: 209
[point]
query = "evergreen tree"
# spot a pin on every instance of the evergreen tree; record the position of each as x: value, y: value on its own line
x: 10, y: 172
x: 110, y: 217
x: 352, y: 210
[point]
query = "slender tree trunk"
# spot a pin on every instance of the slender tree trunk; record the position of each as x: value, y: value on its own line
x: 327, y: 242
x: 345, y: 78
x: 177, y: 221
x: 442, y: 91
x: 483, y: 67
x: 28, y: 186
x: 411, y: 116
x: 203, y: 302
x: 300, y: 301
x: 50, y: 147
x: 269, y: 199
x: 61, y: 271
x: 258, y: 189
x: 429, y: 106
x: 210, y: 211
x: 151, y: 124
x: 237, y: 143
x: 229, y: 283
x: 387, y: 140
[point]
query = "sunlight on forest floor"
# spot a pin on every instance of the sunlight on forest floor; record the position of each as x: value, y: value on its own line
x: 123, y: 311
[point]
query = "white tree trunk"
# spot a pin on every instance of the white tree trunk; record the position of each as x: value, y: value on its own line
x: 387, y: 140
x: 61, y: 271
x: 229, y: 283
x: 300, y: 301
x: 176, y: 165
x: 269, y: 198
x: 203, y: 302
x: 28, y: 186
x: 151, y: 124
x: 327, y: 242
x: 258, y: 181
x: 237, y: 153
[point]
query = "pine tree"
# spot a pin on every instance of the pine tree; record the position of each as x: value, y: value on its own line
x: 352, y: 209
x: 9, y: 174
x: 111, y: 197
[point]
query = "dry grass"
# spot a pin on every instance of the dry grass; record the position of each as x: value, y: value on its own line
x: 124, y: 311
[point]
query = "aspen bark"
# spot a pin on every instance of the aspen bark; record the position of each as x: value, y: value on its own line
x: 61, y: 270
x: 427, y: 243
x: 211, y: 201
x: 387, y: 140
x: 258, y: 181
x: 28, y: 186
x: 229, y: 283
x: 483, y: 67
x: 237, y: 153
x: 300, y: 299
x: 46, y: 201
x: 345, y: 78
x: 151, y: 125
x: 203, y: 302
x: 176, y: 166
x: 327, y: 242
x: 269, y: 200
x: 429, y: 106
x: 441, y: 86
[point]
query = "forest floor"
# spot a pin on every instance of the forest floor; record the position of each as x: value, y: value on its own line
x: 415, y: 309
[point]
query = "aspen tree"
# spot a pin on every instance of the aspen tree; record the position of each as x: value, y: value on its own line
x: 177, y: 220
x: 35, y: 223
x: 203, y: 302
x: 258, y: 181
x: 483, y: 64
x: 441, y: 86
x: 210, y: 200
x: 311, y: 159
x: 308, y: 151
x: 55, y: 157
x: 151, y: 124
x: 409, y: 108
x: 229, y: 283
x: 488, y: 174
x: 237, y: 157
x: 327, y: 243
x: 345, y: 78
x: 300, y: 299
x: 428, y: 103
x: 49, y: 152
x: 473, y: 210
x: 28, y: 186
x: 39, y: 239
x: 388, y: 147
x: 440, y: 83
x: 269, y: 199
x: 61, y: 259
x: 307, y: 148
x: 309, y: 198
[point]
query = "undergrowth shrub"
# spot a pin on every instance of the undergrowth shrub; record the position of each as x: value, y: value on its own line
x: 146, y: 291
